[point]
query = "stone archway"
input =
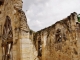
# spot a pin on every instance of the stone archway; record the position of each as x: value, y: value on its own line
x: 7, y: 40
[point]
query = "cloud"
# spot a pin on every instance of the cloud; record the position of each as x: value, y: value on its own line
x: 43, y: 13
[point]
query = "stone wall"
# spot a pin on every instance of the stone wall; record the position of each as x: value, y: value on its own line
x: 8, y: 9
x: 22, y: 47
x: 59, y: 41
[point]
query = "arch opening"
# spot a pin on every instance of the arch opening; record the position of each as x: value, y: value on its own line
x: 7, y: 40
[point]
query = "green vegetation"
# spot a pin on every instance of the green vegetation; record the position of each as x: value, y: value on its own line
x: 79, y: 18
x: 32, y: 32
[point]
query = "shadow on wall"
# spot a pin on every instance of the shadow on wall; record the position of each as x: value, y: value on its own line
x: 1, y: 2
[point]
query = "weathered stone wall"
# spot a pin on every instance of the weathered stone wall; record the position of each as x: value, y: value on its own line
x: 59, y: 41
x: 8, y: 9
x: 23, y: 48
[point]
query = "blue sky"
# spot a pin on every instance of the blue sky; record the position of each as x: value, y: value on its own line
x: 43, y: 13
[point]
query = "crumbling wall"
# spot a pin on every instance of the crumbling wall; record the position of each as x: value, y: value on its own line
x: 7, y: 9
x: 58, y: 42
x: 23, y: 48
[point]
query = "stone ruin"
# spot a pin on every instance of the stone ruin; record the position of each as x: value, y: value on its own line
x: 17, y: 42
x: 59, y: 41
x: 15, y: 35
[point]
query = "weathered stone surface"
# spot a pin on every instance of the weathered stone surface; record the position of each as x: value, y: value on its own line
x: 59, y: 41
x: 22, y: 47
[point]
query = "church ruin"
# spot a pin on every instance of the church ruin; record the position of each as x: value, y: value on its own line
x: 17, y: 42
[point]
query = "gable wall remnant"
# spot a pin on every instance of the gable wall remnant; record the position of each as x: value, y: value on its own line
x: 59, y: 41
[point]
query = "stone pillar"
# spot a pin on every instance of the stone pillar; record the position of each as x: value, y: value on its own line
x: 44, y: 40
x: 27, y: 49
x: 24, y: 46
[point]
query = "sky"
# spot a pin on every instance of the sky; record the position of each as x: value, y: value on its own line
x: 44, y: 13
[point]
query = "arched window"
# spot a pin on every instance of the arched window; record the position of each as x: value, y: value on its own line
x: 7, y: 39
x: 39, y: 48
x: 58, y: 36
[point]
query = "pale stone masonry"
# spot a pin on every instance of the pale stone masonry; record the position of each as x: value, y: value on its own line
x: 61, y: 41
x: 15, y: 43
